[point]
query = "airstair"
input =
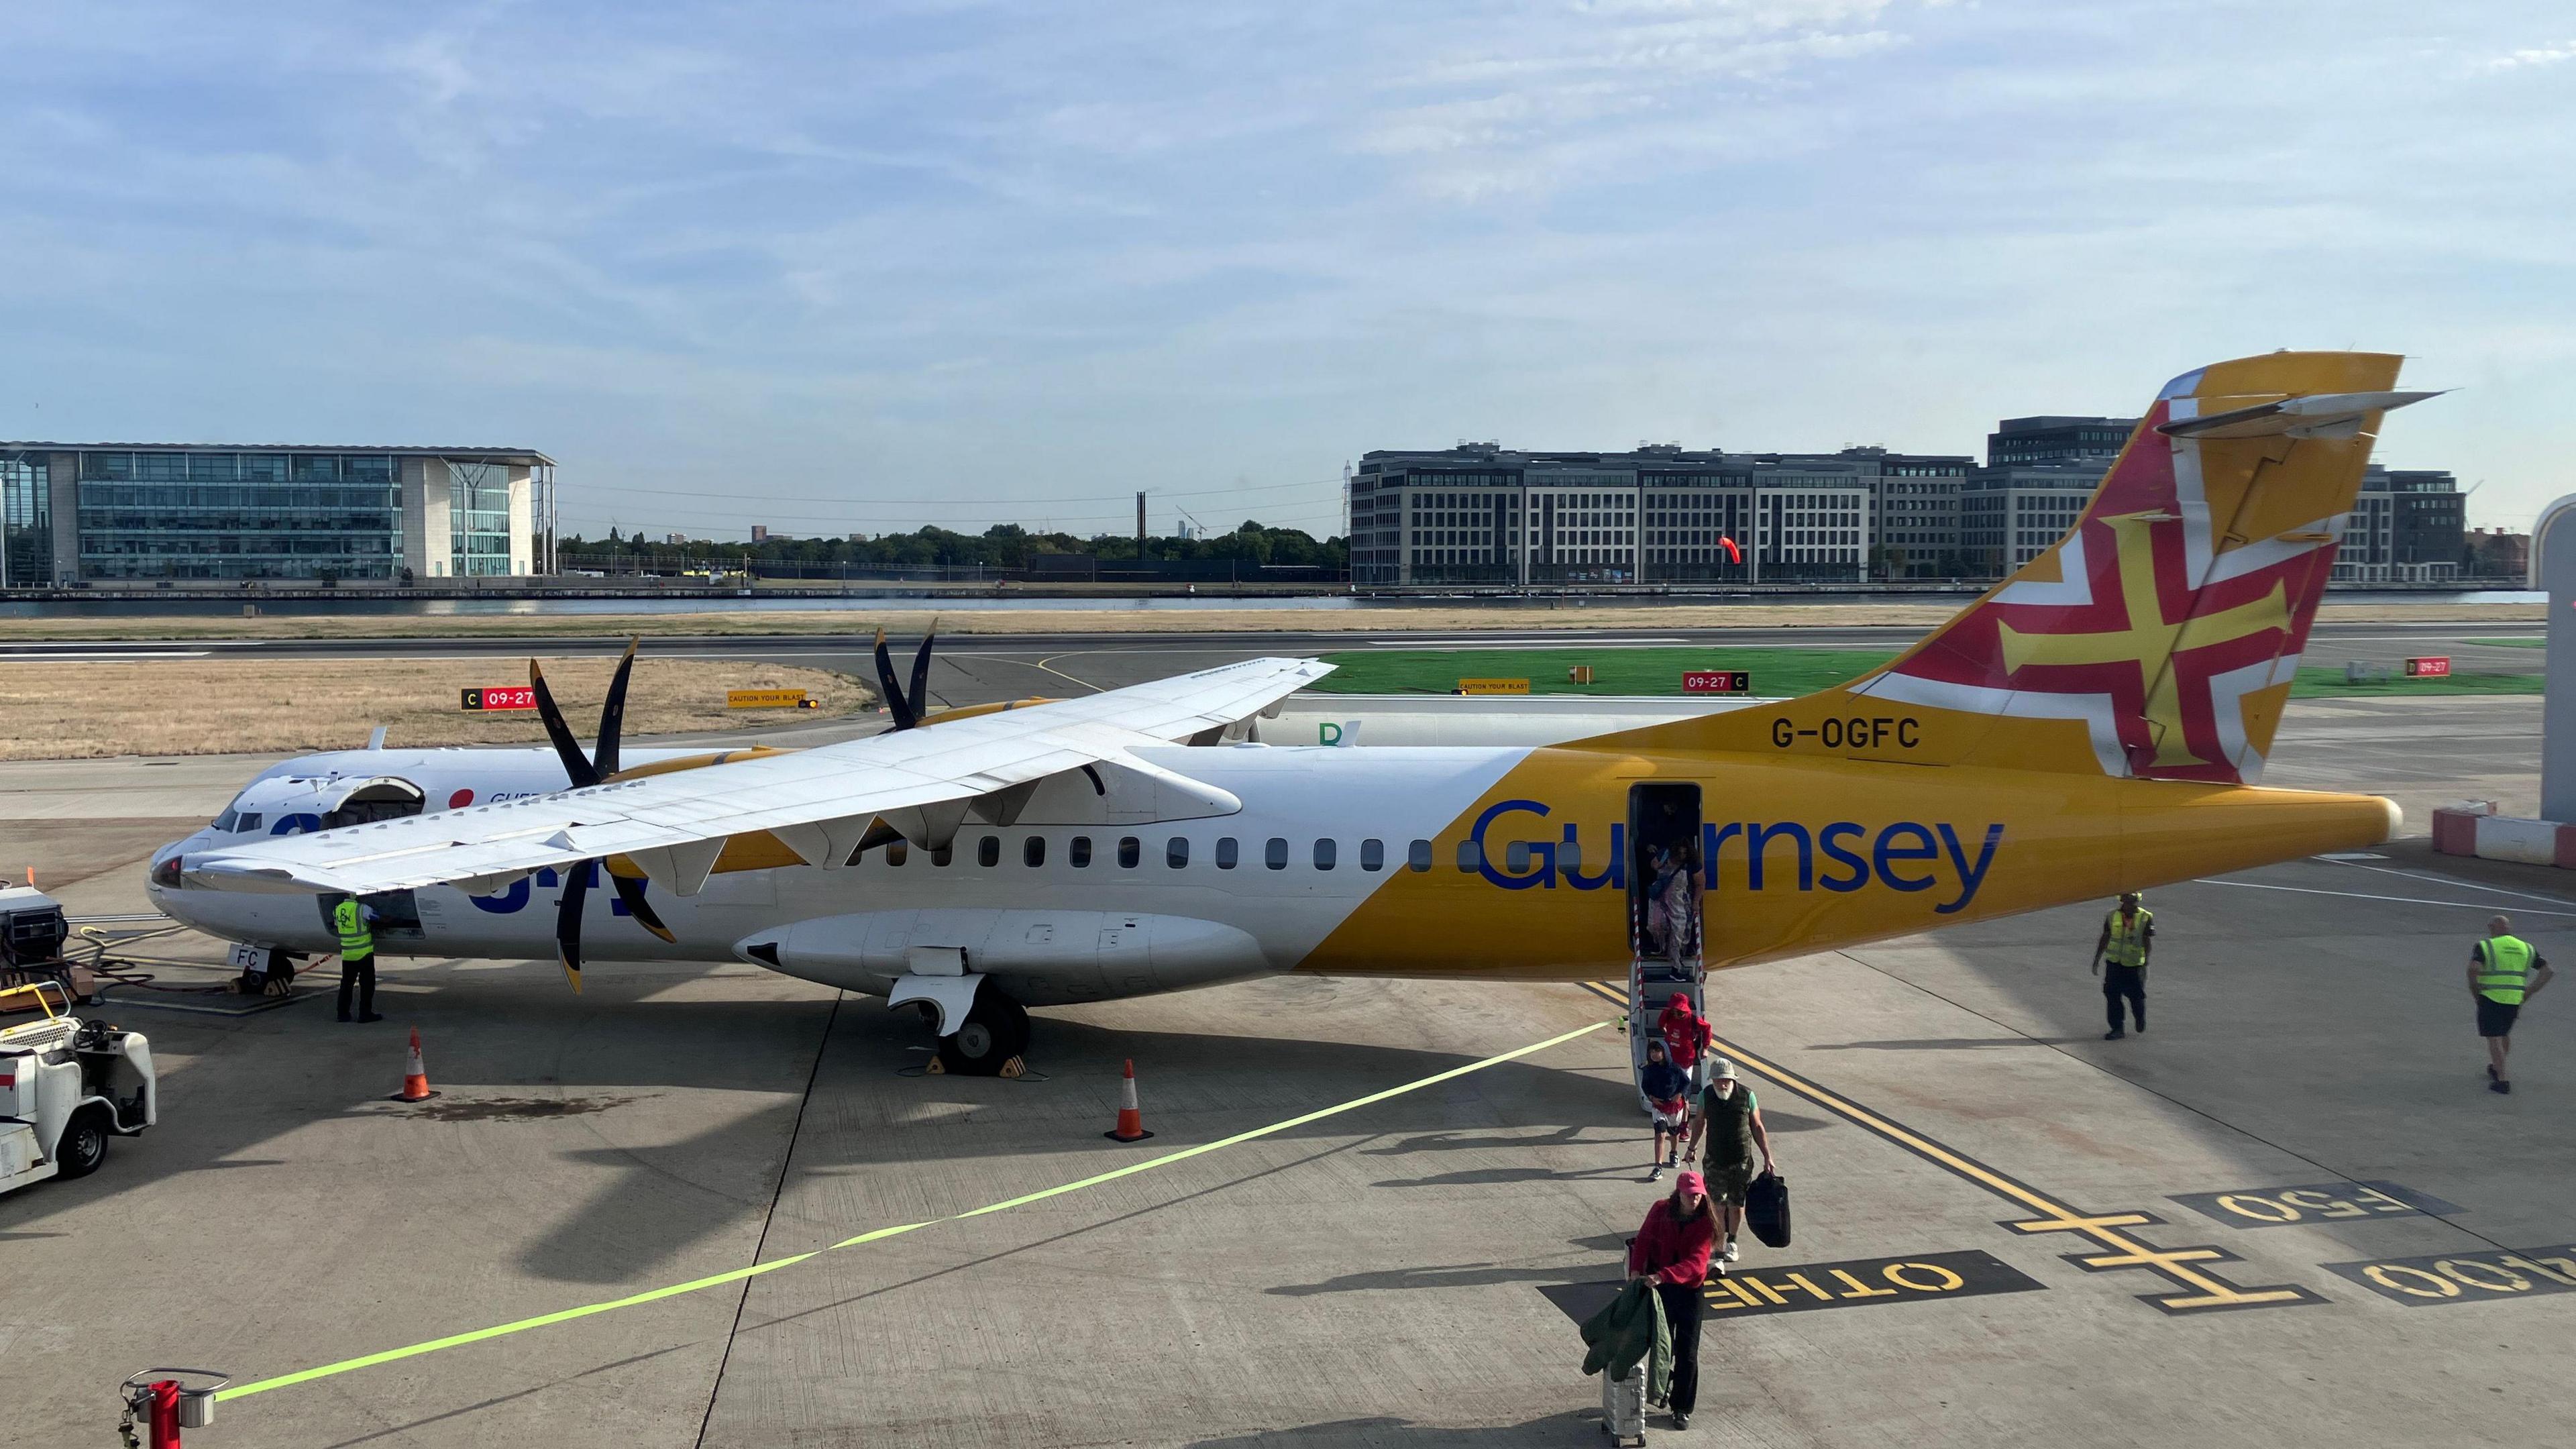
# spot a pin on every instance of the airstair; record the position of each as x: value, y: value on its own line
x: 1652, y: 982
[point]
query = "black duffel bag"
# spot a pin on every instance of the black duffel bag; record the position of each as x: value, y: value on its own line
x: 1766, y: 1209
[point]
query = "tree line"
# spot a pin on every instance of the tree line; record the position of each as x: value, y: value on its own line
x: 1003, y: 546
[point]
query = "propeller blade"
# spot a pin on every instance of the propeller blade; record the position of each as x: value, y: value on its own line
x: 576, y: 891
x: 631, y: 891
x: 903, y: 716
x: 919, y: 699
x: 576, y: 764
x: 612, y: 715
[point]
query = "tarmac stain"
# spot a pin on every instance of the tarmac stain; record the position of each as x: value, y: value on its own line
x: 517, y: 1109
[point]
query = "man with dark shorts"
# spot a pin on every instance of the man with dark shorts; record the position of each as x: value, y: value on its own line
x: 2504, y: 972
x: 1732, y: 1123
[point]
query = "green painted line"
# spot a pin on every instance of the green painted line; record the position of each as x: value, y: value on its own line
x: 655, y: 1295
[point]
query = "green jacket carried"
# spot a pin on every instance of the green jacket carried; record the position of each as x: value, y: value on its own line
x: 1632, y: 1328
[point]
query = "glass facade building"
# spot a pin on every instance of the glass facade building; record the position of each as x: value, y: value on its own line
x: 122, y: 513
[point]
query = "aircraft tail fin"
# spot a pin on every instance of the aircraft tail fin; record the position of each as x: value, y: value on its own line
x: 2158, y: 638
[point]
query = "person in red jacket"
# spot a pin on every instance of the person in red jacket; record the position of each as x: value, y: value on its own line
x: 1672, y: 1250
x: 1687, y: 1036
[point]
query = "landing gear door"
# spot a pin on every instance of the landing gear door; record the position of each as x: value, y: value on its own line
x: 1664, y: 874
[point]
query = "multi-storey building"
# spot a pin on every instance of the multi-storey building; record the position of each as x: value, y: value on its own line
x: 1482, y: 514
x: 2406, y: 527
x: 76, y: 512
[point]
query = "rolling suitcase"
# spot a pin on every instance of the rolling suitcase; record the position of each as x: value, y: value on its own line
x: 1766, y: 1209
x: 1623, y: 1406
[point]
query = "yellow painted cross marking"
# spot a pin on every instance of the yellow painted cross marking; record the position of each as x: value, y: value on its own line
x: 2206, y: 1289
x: 2150, y: 641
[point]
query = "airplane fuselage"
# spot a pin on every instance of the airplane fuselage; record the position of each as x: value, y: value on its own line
x: 1512, y: 863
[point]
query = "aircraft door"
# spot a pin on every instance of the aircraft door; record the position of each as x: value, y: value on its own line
x: 1664, y: 874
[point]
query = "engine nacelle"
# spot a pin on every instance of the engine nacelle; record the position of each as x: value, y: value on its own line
x: 1041, y: 957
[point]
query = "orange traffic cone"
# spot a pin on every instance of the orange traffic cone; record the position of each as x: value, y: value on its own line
x: 1131, y: 1121
x: 415, y: 1079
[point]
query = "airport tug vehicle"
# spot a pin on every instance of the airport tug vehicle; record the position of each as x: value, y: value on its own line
x: 66, y: 1086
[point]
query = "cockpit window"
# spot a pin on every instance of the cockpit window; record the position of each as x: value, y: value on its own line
x: 224, y: 822
x: 250, y: 820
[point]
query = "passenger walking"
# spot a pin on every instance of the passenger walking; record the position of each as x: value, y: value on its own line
x: 2504, y: 972
x: 1667, y: 1090
x: 1731, y: 1121
x: 2128, y: 935
x: 353, y: 920
x: 1672, y: 1251
x: 1687, y: 1037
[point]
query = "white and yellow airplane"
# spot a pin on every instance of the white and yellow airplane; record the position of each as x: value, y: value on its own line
x: 2095, y: 723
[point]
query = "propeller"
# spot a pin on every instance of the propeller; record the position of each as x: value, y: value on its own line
x: 908, y: 708
x: 585, y: 770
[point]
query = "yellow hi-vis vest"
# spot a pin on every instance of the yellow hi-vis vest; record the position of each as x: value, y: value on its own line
x: 2504, y: 964
x: 2128, y: 939
x: 355, y: 939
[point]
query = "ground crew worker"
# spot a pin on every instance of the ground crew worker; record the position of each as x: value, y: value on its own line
x: 1672, y: 1251
x: 1732, y: 1122
x: 352, y: 919
x: 2504, y: 972
x: 2128, y: 935
x: 1667, y: 1090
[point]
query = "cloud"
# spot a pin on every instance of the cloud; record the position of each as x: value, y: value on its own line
x: 2531, y: 59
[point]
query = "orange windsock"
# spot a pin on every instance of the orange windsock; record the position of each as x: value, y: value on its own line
x: 1131, y: 1120
x: 415, y: 1086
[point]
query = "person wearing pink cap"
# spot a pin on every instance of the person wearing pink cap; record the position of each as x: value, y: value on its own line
x: 1671, y: 1250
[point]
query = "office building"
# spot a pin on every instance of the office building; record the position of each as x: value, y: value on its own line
x: 122, y: 512
x: 1481, y: 514
x: 2056, y: 440
x: 2408, y: 526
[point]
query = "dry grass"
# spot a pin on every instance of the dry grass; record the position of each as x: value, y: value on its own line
x: 226, y: 706
x: 911, y: 621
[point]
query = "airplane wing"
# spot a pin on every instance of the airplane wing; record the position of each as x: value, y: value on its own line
x: 820, y: 802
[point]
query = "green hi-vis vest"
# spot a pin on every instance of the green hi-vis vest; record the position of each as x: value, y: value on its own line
x: 355, y: 938
x: 2128, y: 939
x: 2504, y: 964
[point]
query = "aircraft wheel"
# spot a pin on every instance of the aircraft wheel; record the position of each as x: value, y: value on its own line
x: 996, y: 1030
x: 84, y: 1143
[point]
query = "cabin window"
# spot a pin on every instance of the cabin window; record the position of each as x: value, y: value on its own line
x: 1176, y: 851
x: 1372, y: 855
x: 1325, y: 851
x: 1130, y: 850
x: 1471, y: 856
x: 1033, y: 851
x: 1516, y: 857
x: 988, y: 851
x: 1274, y: 854
x: 1225, y: 853
x: 1417, y: 856
x: 943, y: 855
x: 898, y: 851
x: 1079, y: 852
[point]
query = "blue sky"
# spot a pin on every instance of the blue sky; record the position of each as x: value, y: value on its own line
x: 954, y: 262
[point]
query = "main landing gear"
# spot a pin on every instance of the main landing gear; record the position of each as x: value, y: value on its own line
x: 996, y: 1030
